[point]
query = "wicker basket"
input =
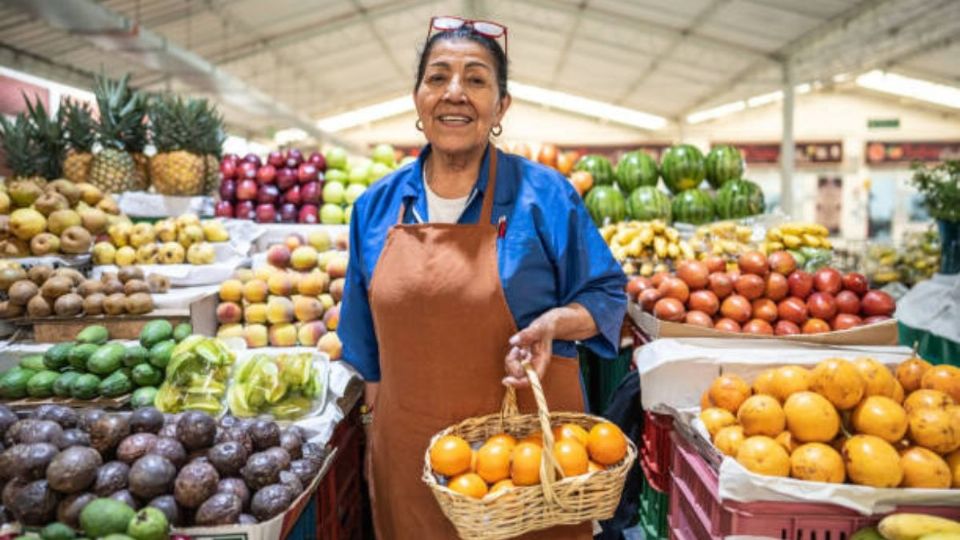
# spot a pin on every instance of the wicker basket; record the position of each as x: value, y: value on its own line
x: 555, y: 501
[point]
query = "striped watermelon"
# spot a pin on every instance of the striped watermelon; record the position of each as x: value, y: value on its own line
x: 724, y: 163
x: 739, y: 198
x: 599, y: 167
x: 682, y: 168
x: 648, y: 202
x: 693, y: 206
x: 636, y: 169
x: 605, y: 205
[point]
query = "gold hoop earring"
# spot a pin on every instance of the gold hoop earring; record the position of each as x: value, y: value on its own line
x: 419, y: 125
x: 496, y: 130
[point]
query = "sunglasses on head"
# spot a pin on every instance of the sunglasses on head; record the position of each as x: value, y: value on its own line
x: 488, y: 29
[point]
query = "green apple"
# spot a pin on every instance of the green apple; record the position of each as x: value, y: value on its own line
x: 331, y: 214
x: 383, y: 153
x: 378, y: 171
x: 333, y: 192
x: 354, y: 191
x: 347, y: 213
x: 336, y: 175
x: 336, y: 158
x: 359, y: 173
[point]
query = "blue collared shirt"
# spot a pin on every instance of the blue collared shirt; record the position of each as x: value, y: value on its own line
x: 550, y: 255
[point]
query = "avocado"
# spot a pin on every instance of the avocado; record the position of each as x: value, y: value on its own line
x: 74, y: 469
x: 41, y: 384
x: 103, y: 517
x: 136, y: 355
x: 13, y: 383
x: 154, y: 332
x: 96, y: 334
x: 58, y: 356
x: 85, y: 386
x: 161, y: 352
x: 107, y: 359
x: 78, y: 355
x: 182, y: 331
x: 143, y: 397
x: 115, y: 385
x: 146, y: 375
x: 34, y: 362
x: 57, y: 531
x: 61, y: 386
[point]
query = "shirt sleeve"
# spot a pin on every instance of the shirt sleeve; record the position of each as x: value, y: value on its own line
x: 355, y: 328
x: 588, y: 274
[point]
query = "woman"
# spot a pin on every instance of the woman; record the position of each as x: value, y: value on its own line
x: 448, y: 257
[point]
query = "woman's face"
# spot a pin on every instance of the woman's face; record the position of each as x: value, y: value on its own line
x: 458, y: 99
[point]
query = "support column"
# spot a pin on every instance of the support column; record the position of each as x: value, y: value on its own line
x: 787, y: 146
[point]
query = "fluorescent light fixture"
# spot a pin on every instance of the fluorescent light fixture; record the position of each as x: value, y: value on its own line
x: 899, y: 85
x: 802, y: 88
x: 716, y: 112
x: 586, y: 106
x: 365, y: 115
x: 287, y: 136
x: 764, y: 99
x: 841, y: 77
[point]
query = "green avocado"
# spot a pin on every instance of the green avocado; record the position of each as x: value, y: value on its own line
x: 146, y: 375
x: 58, y: 356
x: 104, y: 517
x: 34, y: 362
x: 85, y: 386
x: 61, y: 386
x: 41, y: 384
x: 161, y: 352
x: 182, y: 331
x: 77, y: 357
x: 57, y: 531
x: 154, y: 332
x: 13, y: 383
x: 96, y: 334
x: 136, y: 354
x: 107, y: 359
x: 143, y: 397
x: 115, y: 385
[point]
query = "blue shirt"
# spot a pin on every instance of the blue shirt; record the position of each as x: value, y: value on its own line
x: 551, y: 253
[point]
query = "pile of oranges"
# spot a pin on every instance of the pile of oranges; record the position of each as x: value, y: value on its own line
x: 503, y: 462
x: 843, y: 420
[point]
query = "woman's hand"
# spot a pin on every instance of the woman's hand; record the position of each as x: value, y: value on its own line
x: 534, y: 344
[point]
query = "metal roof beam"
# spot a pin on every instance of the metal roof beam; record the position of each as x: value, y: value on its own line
x: 568, y: 41
x: 368, y: 22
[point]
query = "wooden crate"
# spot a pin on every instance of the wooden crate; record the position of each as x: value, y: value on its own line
x: 60, y: 329
x: 99, y: 402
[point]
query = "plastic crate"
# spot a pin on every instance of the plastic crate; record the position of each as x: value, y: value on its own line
x: 696, y: 512
x: 610, y: 372
x: 655, y: 450
x: 654, y: 510
x: 306, y: 526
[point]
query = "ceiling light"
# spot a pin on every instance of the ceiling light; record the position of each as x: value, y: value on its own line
x: 802, y: 88
x: 892, y: 83
x: 365, y: 115
x: 764, y: 99
x: 288, y: 136
x: 716, y: 112
x: 586, y: 106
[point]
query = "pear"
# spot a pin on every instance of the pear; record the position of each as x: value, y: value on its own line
x: 44, y: 244
x: 93, y: 220
x: 62, y: 220
x: 108, y: 205
x: 4, y: 203
x: 25, y: 223
x: 23, y: 193
x: 90, y: 193
x: 68, y: 189
x: 75, y: 239
x: 50, y: 202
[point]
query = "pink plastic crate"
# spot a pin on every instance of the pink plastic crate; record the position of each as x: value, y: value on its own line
x: 655, y: 451
x: 696, y: 512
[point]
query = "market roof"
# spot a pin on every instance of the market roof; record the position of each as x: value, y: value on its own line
x: 275, y: 63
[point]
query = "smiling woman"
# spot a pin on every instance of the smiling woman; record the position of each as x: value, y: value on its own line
x: 481, y: 244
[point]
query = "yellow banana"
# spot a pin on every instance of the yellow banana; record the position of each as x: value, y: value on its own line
x: 673, y: 251
x: 646, y: 236
x: 672, y: 234
x: 811, y: 240
x: 819, y: 230
x: 774, y: 234
x: 730, y: 247
x: 774, y: 246
x: 915, y: 526
x: 826, y: 244
x: 686, y: 250
x: 941, y: 536
x: 792, y: 241
x: 658, y: 226
x: 646, y: 269
x: 660, y: 246
x: 634, y: 248
x: 791, y: 229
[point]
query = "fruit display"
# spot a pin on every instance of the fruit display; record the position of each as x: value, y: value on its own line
x: 284, y: 385
x: 44, y: 291
x: 195, y: 375
x: 766, y: 295
x: 917, y: 259
x: 730, y: 239
x: 292, y: 300
x: 854, y: 421
x: 137, y: 473
x: 121, y: 112
x: 547, y: 154
x: 645, y: 247
x: 184, y: 239
x: 795, y: 237
x: 504, y: 462
x: 629, y: 191
x: 91, y: 366
x: 188, y: 135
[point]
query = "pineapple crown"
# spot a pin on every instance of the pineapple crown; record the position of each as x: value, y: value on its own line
x: 22, y: 152
x: 192, y: 125
x: 48, y: 133
x: 78, y: 125
x: 121, y: 112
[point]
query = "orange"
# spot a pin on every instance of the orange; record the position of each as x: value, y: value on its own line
x: 872, y: 461
x: 606, y: 443
x: 763, y: 384
x: 945, y: 378
x: 789, y: 380
x: 503, y: 438
x: 728, y: 392
x: 910, y: 373
x: 761, y: 415
x: 926, y: 399
x: 536, y: 438
x: 787, y: 441
x: 450, y: 456
x: 924, y: 469
x: 878, y: 377
x: 811, y: 417
x: 762, y: 455
x: 571, y: 456
x: 571, y: 431
x: 716, y: 419
x: 469, y: 484
x: 839, y: 381
x: 880, y: 416
x: 728, y: 440
x: 525, y: 466
x: 493, y: 462
x: 593, y: 466
x: 817, y: 462
x: 503, y: 485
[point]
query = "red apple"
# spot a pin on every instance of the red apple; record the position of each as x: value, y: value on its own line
x: 721, y: 284
x: 877, y: 303
x: 231, y: 157
x: 306, y: 172
x: 736, y: 307
x: 815, y: 326
x: 286, y: 178
x: 294, y: 158
x: 822, y: 305
x: 786, y: 328
x: 223, y: 209
x: 252, y: 158
x: 793, y: 309
x: 848, y: 302
x: 247, y: 190
x: 758, y: 326
x: 800, y: 283
x: 245, y: 210
x: 855, y: 282
x: 228, y: 168
x: 228, y: 189
x: 776, y: 287
x: 317, y: 159
x: 275, y: 158
x: 292, y: 195
x: 246, y: 171
x: 782, y: 262
x: 307, y: 214
x: 635, y: 286
x: 288, y: 213
x: 266, y: 174
x: 266, y: 213
x: 268, y: 194
x: 311, y: 193
x: 844, y: 321
x: 828, y: 280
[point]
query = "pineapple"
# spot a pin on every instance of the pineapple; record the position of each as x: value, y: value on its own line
x: 48, y: 135
x: 113, y: 169
x: 23, y: 154
x: 135, y: 141
x: 213, y: 144
x: 80, y: 138
x: 178, y: 132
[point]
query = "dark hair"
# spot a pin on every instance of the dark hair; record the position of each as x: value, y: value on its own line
x: 467, y: 33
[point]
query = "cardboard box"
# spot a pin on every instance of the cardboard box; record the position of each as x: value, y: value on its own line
x: 884, y: 333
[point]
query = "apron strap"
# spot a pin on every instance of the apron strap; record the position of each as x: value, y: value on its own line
x: 488, y: 196
x: 403, y: 210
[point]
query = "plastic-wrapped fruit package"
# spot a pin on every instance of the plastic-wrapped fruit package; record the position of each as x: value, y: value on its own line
x: 196, y: 377
x: 286, y: 386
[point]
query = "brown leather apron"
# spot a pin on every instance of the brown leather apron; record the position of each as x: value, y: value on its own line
x: 442, y: 325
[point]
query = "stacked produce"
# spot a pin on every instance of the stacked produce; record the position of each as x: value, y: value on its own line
x: 170, y: 241
x: 766, y: 295
x: 120, y: 135
x: 807, y: 242
x: 196, y: 375
x: 292, y: 300
x: 93, y: 470
x: 284, y: 386
x: 916, y: 260
x: 188, y: 135
x: 630, y: 189
x: 502, y: 462
x: 548, y: 154
x: 92, y: 366
x: 64, y: 292
x: 645, y: 247
x: 842, y: 420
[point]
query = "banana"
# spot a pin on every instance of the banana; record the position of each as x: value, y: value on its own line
x: 941, y: 536
x: 774, y: 234
x: 826, y: 244
x: 819, y: 230
x: 660, y: 246
x: 646, y: 269
x: 811, y: 240
x: 686, y: 250
x: 634, y: 248
x: 792, y: 241
x: 658, y: 227
x: 915, y: 526
x: 672, y: 235
x: 673, y: 251
x: 792, y: 229
x: 645, y: 236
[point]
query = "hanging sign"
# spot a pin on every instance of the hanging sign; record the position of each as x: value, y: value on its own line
x: 880, y: 153
x: 806, y: 153
x: 881, y: 123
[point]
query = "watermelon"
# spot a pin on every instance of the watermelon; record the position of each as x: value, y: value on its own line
x: 599, y: 167
x: 724, y: 163
x: 682, y: 168
x: 636, y: 169
x: 692, y: 206
x: 739, y: 198
x: 605, y: 205
x: 648, y: 202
